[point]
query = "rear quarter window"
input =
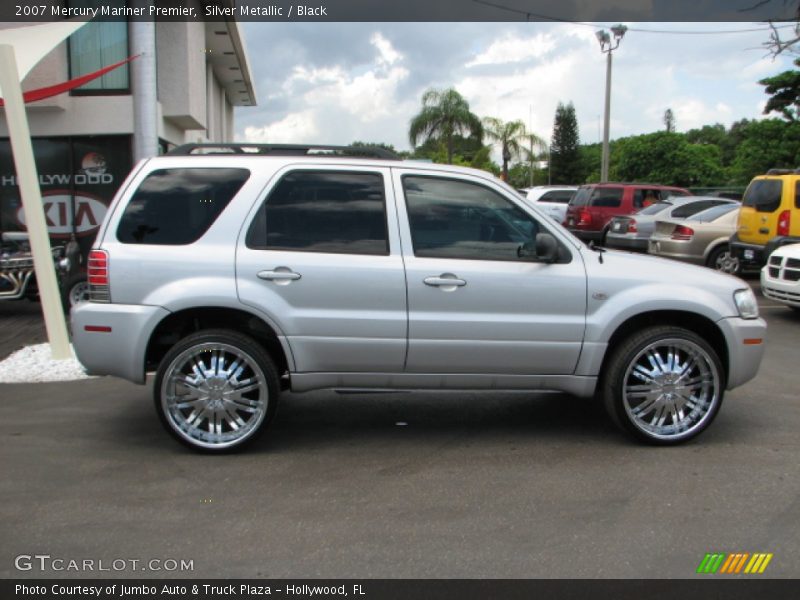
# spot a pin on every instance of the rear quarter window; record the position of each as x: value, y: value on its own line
x: 764, y: 195
x: 558, y: 197
x: 174, y: 207
x: 607, y: 197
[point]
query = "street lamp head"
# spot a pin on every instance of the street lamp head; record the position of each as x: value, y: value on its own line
x: 603, y: 38
x: 619, y: 32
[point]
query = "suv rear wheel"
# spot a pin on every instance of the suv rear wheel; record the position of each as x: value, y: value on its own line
x: 664, y: 385
x: 216, y: 390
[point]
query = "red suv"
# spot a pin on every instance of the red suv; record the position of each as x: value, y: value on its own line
x: 592, y: 207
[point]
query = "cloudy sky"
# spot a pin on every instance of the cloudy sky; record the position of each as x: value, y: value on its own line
x: 335, y: 83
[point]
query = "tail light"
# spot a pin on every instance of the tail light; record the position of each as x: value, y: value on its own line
x: 98, y: 277
x: 784, y: 222
x: 681, y: 232
x: 632, y: 226
x: 584, y: 218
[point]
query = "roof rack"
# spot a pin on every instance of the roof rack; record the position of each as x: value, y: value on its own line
x: 781, y: 172
x: 285, y: 150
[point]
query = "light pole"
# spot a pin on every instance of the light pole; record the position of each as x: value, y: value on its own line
x: 607, y: 47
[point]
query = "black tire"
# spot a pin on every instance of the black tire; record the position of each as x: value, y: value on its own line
x: 234, y: 422
x: 621, y: 388
x: 717, y: 260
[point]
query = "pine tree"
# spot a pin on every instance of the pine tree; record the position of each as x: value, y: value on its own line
x: 669, y: 120
x: 565, y: 159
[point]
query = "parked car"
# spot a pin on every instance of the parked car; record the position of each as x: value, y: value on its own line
x: 770, y: 217
x: 633, y: 232
x: 780, y: 277
x: 17, y: 275
x: 593, y: 206
x: 703, y: 238
x: 552, y: 199
x: 235, y: 275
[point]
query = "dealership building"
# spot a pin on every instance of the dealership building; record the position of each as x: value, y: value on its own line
x: 181, y: 87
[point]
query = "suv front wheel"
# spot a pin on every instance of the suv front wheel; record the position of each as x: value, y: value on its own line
x: 216, y: 390
x: 664, y: 385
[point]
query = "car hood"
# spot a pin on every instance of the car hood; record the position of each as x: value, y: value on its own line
x: 791, y: 251
x: 624, y: 269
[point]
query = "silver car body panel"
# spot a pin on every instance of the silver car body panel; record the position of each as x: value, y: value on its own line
x: 369, y: 322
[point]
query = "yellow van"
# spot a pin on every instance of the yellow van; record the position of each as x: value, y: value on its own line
x: 769, y: 217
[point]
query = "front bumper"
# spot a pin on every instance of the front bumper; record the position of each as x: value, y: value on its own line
x: 780, y: 290
x: 111, y: 339
x: 754, y: 256
x: 744, y: 354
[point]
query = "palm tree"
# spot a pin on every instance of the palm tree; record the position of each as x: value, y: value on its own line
x: 444, y: 114
x: 512, y: 137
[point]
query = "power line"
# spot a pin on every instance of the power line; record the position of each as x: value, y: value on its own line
x: 529, y: 14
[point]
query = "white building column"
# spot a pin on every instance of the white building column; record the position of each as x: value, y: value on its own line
x: 144, y: 89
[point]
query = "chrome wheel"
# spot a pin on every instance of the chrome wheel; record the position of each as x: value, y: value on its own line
x: 671, y: 388
x: 214, y: 395
x: 79, y: 293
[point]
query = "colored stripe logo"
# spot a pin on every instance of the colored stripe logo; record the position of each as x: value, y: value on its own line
x: 734, y: 563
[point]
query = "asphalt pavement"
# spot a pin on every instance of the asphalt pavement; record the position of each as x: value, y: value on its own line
x: 442, y: 485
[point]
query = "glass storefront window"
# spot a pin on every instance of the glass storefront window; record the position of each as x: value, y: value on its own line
x: 96, y: 45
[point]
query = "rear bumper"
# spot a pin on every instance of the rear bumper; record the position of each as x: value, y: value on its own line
x: 111, y: 339
x: 587, y: 236
x: 626, y: 243
x: 744, y: 355
x: 754, y: 256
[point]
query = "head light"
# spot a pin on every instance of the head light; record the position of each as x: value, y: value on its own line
x: 746, y: 303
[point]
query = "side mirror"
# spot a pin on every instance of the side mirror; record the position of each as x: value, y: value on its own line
x: 544, y: 249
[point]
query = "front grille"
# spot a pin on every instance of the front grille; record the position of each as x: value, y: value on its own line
x: 786, y: 269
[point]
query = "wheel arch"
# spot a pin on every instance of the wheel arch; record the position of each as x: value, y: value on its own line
x: 695, y: 322
x: 190, y: 320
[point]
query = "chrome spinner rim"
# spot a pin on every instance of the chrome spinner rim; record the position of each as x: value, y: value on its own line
x: 671, y: 388
x: 214, y: 395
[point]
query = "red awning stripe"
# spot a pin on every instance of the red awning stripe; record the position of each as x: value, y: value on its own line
x: 54, y: 90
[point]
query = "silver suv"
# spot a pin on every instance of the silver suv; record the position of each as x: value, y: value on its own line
x: 234, y: 272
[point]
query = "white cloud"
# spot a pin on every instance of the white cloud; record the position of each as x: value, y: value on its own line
x: 513, y: 49
x: 388, y: 55
x: 299, y: 127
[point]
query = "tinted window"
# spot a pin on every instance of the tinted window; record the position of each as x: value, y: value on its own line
x: 797, y: 195
x: 581, y: 197
x: 645, y: 197
x: 764, y: 195
x: 323, y: 211
x: 559, y: 196
x: 654, y: 209
x: 691, y: 208
x: 177, y: 206
x: 607, y: 197
x: 457, y: 219
x: 711, y: 214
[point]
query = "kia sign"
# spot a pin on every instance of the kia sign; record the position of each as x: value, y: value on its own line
x: 63, y: 219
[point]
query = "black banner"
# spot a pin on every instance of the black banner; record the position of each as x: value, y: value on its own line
x: 397, y: 589
x: 407, y: 10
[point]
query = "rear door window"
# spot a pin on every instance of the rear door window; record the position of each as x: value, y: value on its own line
x: 654, y: 209
x: 692, y: 208
x: 338, y: 212
x: 174, y: 207
x: 764, y: 195
x: 607, y: 197
x: 581, y: 197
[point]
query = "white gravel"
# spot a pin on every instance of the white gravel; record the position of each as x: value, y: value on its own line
x: 35, y: 364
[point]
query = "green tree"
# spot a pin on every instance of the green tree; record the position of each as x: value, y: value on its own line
x: 565, y: 165
x: 669, y: 120
x: 667, y: 158
x: 784, y: 89
x: 764, y: 145
x: 511, y: 136
x: 444, y: 114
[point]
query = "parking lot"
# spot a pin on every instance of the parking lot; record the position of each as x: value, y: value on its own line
x: 495, y: 485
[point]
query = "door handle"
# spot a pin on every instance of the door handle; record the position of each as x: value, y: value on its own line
x: 445, y: 280
x: 279, y: 274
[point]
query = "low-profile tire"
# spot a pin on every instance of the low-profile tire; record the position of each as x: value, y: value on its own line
x: 216, y: 390
x: 663, y: 385
x: 721, y: 259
